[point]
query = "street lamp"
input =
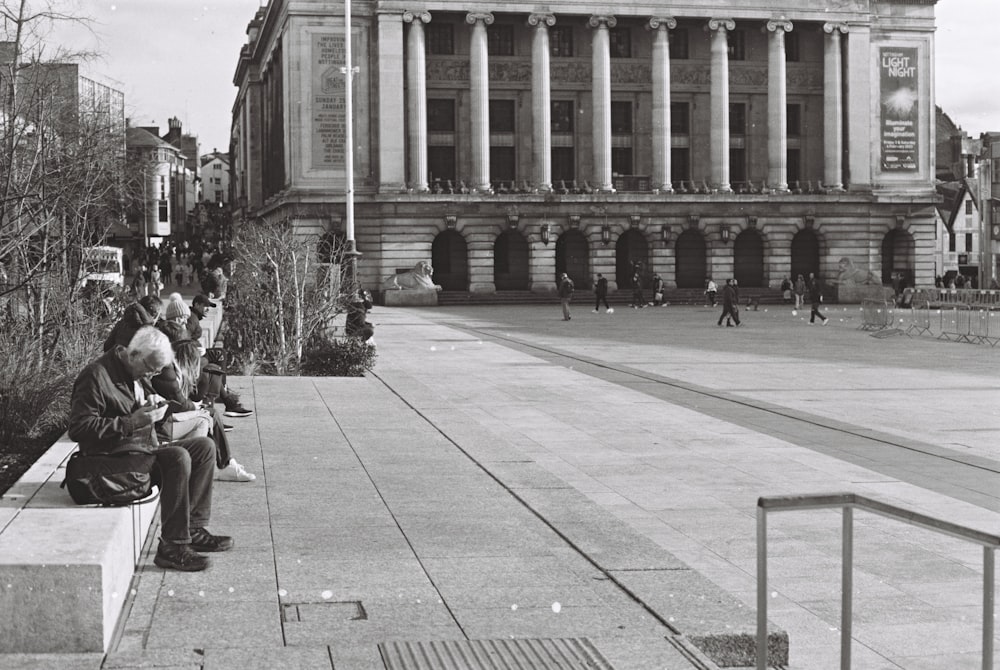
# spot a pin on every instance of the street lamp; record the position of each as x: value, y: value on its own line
x: 351, y: 253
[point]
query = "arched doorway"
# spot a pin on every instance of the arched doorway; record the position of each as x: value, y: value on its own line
x: 573, y: 258
x: 691, y: 266
x: 450, y: 259
x: 631, y: 249
x: 748, y: 259
x: 510, y: 261
x: 805, y: 254
x: 898, y: 255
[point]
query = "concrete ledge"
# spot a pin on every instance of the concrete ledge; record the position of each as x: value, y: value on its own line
x: 64, y: 569
x: 410, y: 298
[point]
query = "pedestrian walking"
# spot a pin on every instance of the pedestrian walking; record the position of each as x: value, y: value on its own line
x: 730, y: 304
x: 601, y: 295
x: 638, y: 300
x: 800, y: 291
x: 711, y: 291
x: 786, y: 290
x: 566, y: 289
x: 816, y: 297
x: 658, y: 291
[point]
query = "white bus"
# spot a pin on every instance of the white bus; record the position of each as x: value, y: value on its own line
x: 102, y: 264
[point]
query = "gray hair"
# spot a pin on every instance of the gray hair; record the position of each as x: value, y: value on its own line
x: 150, y: 344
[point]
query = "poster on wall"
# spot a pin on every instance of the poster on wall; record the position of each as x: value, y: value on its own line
x: 329, y: 122
x: 898, y: 80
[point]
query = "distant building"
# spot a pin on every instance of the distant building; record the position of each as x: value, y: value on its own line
x: 989, y: 189
x: 161, y: 211
x: 215, y: 177
x: 511, y: 144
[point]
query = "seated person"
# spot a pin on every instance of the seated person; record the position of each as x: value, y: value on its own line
x: 109, y: 412
x: 357, y: 324
x: 177, y: 383
x: 143, y: 312
x: 230, y: 399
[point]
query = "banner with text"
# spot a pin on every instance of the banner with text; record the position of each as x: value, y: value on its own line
x: 329, y: 113
x: 899, y: 86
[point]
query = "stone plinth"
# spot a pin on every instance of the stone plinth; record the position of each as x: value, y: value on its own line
x: 857, y: 293
x: 412, y: 297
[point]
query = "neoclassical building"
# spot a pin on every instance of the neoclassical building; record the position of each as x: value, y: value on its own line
x: 507, y: 144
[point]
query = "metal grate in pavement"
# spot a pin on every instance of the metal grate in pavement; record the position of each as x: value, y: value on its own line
x: 522, y: 654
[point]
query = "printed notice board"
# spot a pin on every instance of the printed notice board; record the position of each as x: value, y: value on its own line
x: 898, y: 72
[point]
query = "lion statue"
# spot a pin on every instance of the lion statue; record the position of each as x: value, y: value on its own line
x: 417, y: 278
x: 849, y: 274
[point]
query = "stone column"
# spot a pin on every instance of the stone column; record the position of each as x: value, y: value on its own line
x: 601, y: 100
x: 479, y: 101
x: 777, y: 100
x: 661, y: 102
x: 833, y: 107
x: 719, y: 133
x: 391, y: 106
x: 416, y: 103
x: 541, y: 103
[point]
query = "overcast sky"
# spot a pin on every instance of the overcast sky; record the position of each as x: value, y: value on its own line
x: 177, y: 58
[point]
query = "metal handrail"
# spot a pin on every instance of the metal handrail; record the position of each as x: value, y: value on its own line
x: 847, y: 502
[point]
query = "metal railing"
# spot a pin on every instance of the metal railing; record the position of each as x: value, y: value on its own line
x: 847, y: 502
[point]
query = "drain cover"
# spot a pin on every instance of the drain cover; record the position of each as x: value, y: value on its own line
x: 351, y: 610
x: 522, y: 654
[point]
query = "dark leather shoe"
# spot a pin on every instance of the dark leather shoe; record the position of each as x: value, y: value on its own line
x: 179, y: 557
x: 204, y: 542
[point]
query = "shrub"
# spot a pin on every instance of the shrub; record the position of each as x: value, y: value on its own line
x: 337, y: 357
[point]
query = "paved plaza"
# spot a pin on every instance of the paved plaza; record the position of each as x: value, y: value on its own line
x: 589, y: 485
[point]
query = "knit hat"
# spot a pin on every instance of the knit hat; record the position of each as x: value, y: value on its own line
x: 176, y: 307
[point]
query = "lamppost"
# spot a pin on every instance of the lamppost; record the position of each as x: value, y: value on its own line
x: 351, y: 254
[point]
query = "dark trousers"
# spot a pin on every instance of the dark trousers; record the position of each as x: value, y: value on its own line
x: 730, y: 310
x: 222, y: 452
x: 815, y: 312
x: 186, y: 469
x: 599, y: 300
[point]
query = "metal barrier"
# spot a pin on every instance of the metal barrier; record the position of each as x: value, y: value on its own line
x: 876, y: 314
x: 956, y: 324
x: 847, y: 502
x: 964, y: 296
x: 920, y: 318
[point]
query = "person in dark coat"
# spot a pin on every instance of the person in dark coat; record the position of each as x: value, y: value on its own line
x: 111, y: 411
x: 566, y: 289
x: 730, y: 303
x: 601, y: 294
x: 356, y: 323
x: 144, y: 312
x: 816, y: 297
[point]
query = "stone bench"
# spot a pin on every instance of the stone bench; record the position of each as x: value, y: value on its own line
x: 65, y: 570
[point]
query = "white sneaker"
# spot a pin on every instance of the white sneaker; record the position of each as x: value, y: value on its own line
x: 234, y: 472
x: 594, y: 311
x: 611, y: 310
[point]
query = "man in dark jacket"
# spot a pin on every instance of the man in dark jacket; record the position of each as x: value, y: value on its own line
x: 565, y: 294
x: 199, y: 308
x: 111, y: 411
x: 815, y: 298
x: 730, y: 300
x: 601, y: 294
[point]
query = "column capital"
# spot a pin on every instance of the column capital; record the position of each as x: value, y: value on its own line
x: 774, y: 25
x: 540, y: 19
x: 656, y: 21
x: 720, y: 24
x: 422, y: 16
x: 474, y: 17
x: 842, y: 28
x: 607, y: 19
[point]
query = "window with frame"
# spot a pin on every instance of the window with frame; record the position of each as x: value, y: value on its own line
x: 562, y: 116
x: 502, y: 166
x: 621, y: 161
x: 218, y: 196
x: 561, y: 41
x: 440, y: 39
x: 500, y: 39
x: 968, y: 207
x: 793, y: 120
x: 502, y: 116
x: 678, y: 44
x: 968, y: 242
x: 680, y: 165
x: 164, y: 211
x: 737, y: 166
x: 737, y: 118
x: 621, y: 42
x: 793, y: 165
x: 217, y: 166
x: 440, y: 115
x: 621, y: 117
x: 680, y: 118
x: 563, y: 165
x: 737, y: 41
x: 792, y: 51
x: 951, y: 241
x: 441, y: 165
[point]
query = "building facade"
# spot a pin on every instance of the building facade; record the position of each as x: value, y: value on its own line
x: 161, y: 189
x: 215, y: 177
x: 507, y: 145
